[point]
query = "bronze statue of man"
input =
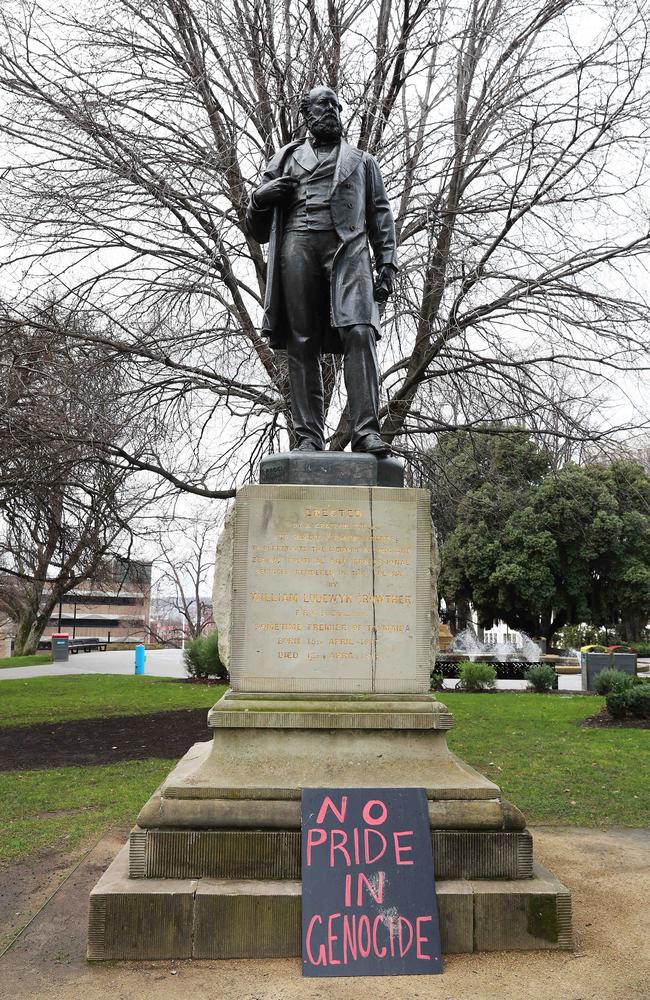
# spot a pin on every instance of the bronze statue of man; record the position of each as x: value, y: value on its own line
x: 319, y: 205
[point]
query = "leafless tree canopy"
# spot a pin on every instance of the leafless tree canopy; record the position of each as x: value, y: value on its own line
x: 512, y: 137
x: 185, y: 557
x: 63, y: 505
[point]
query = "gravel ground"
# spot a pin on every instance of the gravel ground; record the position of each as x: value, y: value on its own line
x: 607, y: 871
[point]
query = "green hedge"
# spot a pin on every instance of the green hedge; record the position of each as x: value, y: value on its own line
x: 632, y: 701
x: 201, y: 656
x: 541, y: 677
x: 612, y: 679
x: 476, y: 676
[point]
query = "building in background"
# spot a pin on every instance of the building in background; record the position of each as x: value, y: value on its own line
x: 115, y: 606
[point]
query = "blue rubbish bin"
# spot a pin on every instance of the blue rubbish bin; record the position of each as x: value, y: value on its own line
x: 139, y: 659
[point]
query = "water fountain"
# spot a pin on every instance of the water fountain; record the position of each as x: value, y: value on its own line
x: 569, y: 663
x: 510, y: 660
x: 466, y: 646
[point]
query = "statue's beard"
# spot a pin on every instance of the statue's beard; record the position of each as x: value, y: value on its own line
x: 325, y: 127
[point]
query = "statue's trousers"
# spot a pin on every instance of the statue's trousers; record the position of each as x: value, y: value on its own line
x: 306, y: 260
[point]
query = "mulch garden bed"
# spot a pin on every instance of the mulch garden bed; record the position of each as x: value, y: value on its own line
x: 102, y: 741
x: 84, y: 742
x: 603, y: 720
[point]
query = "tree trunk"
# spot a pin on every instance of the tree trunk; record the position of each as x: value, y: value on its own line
x: 463, y: 616
x: 25, y: 643
x: 31, y: 626
x: 549, y: 628
x: 632, y: 629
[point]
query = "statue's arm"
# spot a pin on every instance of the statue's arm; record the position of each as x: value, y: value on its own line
x: 379, y: 218
x: 258, y: 219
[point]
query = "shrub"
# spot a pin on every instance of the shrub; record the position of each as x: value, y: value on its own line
x: 638, y: 701
x: 641, y: 648
x: 541, y: 677
x: 201, y: 656
x: 436, y: 680
x: 633, y: 699
x: 612, y: 680
x: 192, y: 656
x: 476, y: 676
x: 575, y: 636
x: 616, y: 702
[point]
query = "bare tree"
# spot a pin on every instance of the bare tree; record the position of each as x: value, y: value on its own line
x: 512, y: 140
x: 635, y: 449
x: 63, y: 506
x: 185, y: 563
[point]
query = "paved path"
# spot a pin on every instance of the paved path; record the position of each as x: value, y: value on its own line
x: 159, y: 663
x: 607, y: 872
x: 566, y: 682
x: 169, y: 663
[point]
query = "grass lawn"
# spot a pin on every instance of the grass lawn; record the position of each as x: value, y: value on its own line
x: 25, y: 661
x: 531, y: 745
x: 87, y: 696
x: 65, y: 807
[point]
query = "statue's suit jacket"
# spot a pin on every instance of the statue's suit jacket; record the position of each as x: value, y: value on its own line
x: 361, y: 214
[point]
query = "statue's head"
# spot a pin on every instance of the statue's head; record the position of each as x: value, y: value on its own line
x: 322, y: 113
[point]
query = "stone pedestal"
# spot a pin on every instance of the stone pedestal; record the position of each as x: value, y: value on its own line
x: 332, y: 629
x: 322, y: 468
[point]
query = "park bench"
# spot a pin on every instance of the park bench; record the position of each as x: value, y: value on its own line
x: 86, y: 645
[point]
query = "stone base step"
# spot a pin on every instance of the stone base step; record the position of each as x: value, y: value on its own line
x: 230, y: 918
x: 224, y: 785
x: 245, y: 710
x: 275, y: 854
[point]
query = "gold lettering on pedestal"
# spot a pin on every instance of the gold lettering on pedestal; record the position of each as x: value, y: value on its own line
x: 277, y: 626
x: 385, y: 598
x: 327, y: 598
x: 361, y: 565
x: 331, y: 512
x: 274, y: 598
x: 327, y: 626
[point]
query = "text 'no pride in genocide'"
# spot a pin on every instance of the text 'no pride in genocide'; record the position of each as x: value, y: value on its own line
x: 368, y: 891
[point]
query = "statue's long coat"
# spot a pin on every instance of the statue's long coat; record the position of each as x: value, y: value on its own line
x: 361, y: 214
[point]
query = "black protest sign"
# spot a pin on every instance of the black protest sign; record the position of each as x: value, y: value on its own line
x: 368, y: 892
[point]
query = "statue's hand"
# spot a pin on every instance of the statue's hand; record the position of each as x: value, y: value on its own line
x: 274, y: 192
x: 384, y: 283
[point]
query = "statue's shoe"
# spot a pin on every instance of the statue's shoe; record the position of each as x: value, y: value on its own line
x: 372, y: 444
x: 307, y: 446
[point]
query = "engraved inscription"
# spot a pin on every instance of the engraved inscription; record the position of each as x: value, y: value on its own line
x: 329, y: 596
